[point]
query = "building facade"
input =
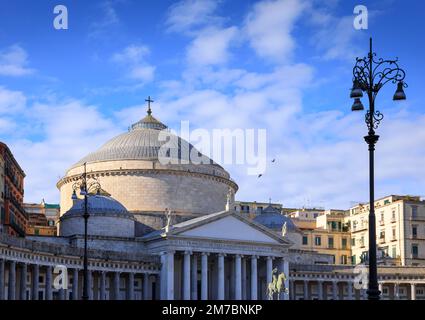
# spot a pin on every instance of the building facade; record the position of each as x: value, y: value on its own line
x: 14, y: 219
x: 400, y: 229
x: 43, y: 218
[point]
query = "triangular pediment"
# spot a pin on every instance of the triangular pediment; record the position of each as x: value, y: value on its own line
x: 229, y: 227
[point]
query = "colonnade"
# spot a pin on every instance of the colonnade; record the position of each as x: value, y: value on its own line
x: 22, y: 281
x: 218, y: 276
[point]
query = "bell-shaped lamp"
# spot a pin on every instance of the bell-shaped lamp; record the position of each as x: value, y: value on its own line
x: 356, y: 91
x: 357, y: 105
x: 399, y: 94
x: 74, y: 195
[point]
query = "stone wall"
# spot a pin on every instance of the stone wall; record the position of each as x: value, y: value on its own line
x: 98, y: 225
x: 157, y: 189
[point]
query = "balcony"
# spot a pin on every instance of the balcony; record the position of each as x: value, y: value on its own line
x: 381, y: 240
x: 381, y: 222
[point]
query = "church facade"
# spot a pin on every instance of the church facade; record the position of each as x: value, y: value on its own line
x: 167, y: 231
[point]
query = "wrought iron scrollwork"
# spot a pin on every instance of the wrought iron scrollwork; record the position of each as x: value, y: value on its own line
x: 373, y: 123
x: 372, y: 74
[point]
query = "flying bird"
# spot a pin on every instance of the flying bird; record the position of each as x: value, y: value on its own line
x: 273, y: 160
x: 260, y: 175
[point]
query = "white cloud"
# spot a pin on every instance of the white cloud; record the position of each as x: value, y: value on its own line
x: 133, y: 58
x: 66, y: 131
x: 334, y: 37
x: 211, y: 46
x: 11, y: 102
x: 269, y: 26
x: 108, y: 19
x: 185, y: 15
x: 14, y: 61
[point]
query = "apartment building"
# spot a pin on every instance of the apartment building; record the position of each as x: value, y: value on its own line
x: 13, y: 218
x: 400, y: 230
x: 327, y: 232
x: 43, y: 218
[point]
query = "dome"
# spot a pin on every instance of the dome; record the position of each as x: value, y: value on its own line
x: 148, y: 177
x: 273, y: 219
x: 98, y: 204
x: 107, y: 217
x: 143, y: 142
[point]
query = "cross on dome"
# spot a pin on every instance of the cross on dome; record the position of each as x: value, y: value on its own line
x: 149, y: 101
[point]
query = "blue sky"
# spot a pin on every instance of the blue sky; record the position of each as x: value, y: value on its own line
x: 282, y: 65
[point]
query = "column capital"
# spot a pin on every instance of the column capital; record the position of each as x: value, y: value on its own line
x: 188, y: 252
x: 270, y: 258
x: 205, y: 253
x: 254, y: 257
x: 220, y: 254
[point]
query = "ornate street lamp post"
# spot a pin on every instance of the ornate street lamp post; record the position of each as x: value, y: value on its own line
x: 85, y: 186
x: 369, y: 76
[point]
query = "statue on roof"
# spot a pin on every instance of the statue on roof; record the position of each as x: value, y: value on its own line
x: 168, y: 216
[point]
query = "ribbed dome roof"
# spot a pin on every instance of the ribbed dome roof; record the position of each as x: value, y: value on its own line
x: 142, y: 142
x: 273, y: 219
x: 98, y: 204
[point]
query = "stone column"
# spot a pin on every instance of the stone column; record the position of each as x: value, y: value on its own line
x: 320, y: 289
x: 220, y: 292
x: 163, y: 276
x: 48, y: 291
x: 146, y: 286
x: 292, y: 292
x: 269, y: 270
x: 305, y: 289
x: 90, y: 276
x: 334, y: 290
x: 170, y: 276
x: 244, y: 286
x: 412, y: 291
x: 284, y: 267
x: 75, y: 295
x: 186, y: 275
x: 12, y: 281
x: 238, y: 278
x: 204, y: 276
x: 23, y: 282
x: 396, y: 293
x: 350, y: 290
x: 35, y: 276
x: 254, y: 279
x: 102, y: 286
x: 380, y: 284
x: 364, y: 294
x: 2, y: 279
x: 116, y: 286
x: 194, y: 278
x: 61, y: 294
x: 130, y: 286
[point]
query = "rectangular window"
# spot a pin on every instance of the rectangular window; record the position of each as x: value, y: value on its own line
x: 414, y: 231
x: 330, y: 242
x: 353, y: 242
x: 394, y: 233
x: 305, y: 240
x: 344, y: 243
x: 415, y: 250
x: 414, y: 211
x: 394, y: 252
x: 343, y: 259
x: 353, y: 259
x: 362, y: 241
x: 318, y: 241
